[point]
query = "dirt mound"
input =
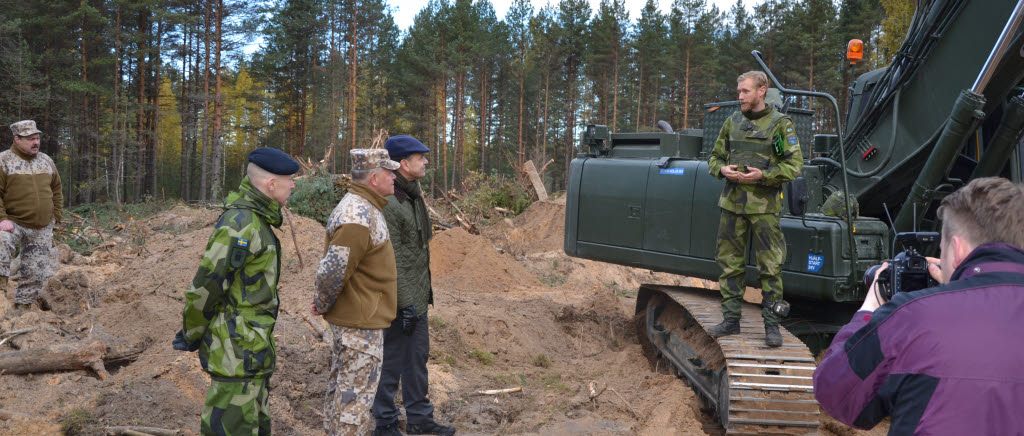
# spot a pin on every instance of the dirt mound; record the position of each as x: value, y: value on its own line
x: 540, y: 228
x: 467, y: 262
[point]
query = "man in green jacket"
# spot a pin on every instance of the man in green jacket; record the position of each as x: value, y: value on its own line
x: 355, y: 291
x: 231, y: 307
x: 756, y: 152
x: 407, y: 341
x: 30, y: 204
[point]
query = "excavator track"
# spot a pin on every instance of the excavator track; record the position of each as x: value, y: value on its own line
x: 752, y: 388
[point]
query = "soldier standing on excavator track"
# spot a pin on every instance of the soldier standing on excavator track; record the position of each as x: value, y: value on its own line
x: 231, y: 307
x: 756, y: 152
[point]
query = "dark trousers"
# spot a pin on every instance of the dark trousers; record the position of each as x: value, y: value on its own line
x: 405, y: 359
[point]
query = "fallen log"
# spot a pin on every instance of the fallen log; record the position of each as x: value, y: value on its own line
x: 141, y: 431
x: 61, y: 357
x: 500, y: 391
x: 10, y: 414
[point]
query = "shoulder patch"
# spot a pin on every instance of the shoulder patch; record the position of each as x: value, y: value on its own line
x: 789, y: 129
x: 791, y: 138
x: 238, y: 252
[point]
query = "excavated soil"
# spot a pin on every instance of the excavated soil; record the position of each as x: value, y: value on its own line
x: 511, y: 310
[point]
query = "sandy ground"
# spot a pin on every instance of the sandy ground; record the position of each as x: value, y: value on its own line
x: 511, y: 310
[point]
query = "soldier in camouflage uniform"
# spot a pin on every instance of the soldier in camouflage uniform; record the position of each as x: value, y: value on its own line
x: 30, y: 205
x: 231, y: 307
x: 356, y: 292
x: 756, y: 152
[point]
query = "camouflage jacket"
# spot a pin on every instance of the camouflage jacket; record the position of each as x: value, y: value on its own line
x: 232, y: 305
x: 410, y: 230
x: 30, y: 189
x: 356, y: 281
x: 768, y: 142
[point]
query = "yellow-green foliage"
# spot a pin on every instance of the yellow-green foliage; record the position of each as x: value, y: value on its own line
x: 482, y: 356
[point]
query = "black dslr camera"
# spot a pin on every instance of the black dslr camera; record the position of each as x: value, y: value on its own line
x: 908, y: 270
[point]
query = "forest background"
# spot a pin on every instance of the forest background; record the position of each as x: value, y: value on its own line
x: 163, y: 99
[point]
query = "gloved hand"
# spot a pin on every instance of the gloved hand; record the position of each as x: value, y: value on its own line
x: 181, y: 344
x: 409, y: 319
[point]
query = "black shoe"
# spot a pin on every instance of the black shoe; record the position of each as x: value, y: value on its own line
x: 772, y: 337
x: 387, y: 430
x: 725, y: 328
x: 430, y: 427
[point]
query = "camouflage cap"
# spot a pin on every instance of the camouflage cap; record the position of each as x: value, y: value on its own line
x: 833, y: 205
x: 365, y: 159
x: 24, y: 128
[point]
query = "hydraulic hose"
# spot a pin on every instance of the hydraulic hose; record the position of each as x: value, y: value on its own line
x: 961, y: 122
x: 1003, y: 141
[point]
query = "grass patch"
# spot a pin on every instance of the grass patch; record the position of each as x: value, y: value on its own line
x: 553, y: 382
x: 437, y: 323
x: 552, y: 280
x: 77, y: 422
x: 541, y: 361
x: 482, y: 356
x: 619, y: 291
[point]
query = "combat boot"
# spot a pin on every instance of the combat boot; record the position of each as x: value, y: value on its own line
x: 387, y: 430
x: 772, y: 337
x: 725, y: 328
x: 430, y: 427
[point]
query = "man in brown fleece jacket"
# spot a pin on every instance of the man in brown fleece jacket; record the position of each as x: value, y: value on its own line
x: 30, y: 204
x: 356, y: 291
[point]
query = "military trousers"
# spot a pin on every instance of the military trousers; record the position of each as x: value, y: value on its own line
x: 36, y: 263
x: 237, y: 407
x: 770, y: 250
x: 405, y: 360
x: 355, y: 371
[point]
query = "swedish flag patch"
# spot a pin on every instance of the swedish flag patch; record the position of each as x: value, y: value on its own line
x: 242, y: 242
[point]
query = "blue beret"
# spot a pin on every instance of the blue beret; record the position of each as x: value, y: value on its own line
x: 401, y: 146
x: 274, y: 161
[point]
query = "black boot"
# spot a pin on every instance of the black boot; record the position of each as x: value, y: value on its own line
x: 430, y: 427
x: 725, y: 328
x: 387, y: 430
x: 772, y: 337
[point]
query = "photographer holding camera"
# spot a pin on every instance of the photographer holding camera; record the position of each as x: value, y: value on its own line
x: 945, y: 359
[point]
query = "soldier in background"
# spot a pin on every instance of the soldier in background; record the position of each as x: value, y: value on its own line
x: 231, y: 308
x: 356, y: 291
x: 756, y: 152
x: 30, y: 205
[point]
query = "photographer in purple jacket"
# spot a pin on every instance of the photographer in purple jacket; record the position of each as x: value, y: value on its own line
x: 945, y: 359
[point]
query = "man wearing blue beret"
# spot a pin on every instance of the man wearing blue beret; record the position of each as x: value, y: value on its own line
x: 407, y: 341
x: 231, y: 307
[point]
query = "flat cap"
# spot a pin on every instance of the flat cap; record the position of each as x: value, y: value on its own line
x: 400, y: 146
x: 274, y: 161
x: 365, y: 159
x: 24, y: 128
